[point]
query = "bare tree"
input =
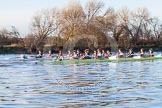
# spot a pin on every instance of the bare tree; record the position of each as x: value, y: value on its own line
x: 121, y: 19
x: 93, y: 8
x: 4, y: 37
x: 44, y: 24
x: 8, y: 36
x: 156, y: 29
x: 134, y: 23
x: 15, y: 35
x: 29, y: 42
x: 71, y: 19
x: 139, y: 17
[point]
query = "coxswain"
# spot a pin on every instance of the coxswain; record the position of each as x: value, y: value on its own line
x: 150, y: 54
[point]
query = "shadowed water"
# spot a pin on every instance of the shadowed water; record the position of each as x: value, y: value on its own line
x: 25, y: 84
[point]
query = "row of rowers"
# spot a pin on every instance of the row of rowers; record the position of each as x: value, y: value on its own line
x: 76, y: 54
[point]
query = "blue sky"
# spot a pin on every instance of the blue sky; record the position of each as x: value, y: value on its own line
x: 19, y: 13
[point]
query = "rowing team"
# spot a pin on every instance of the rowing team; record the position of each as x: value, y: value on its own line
x: 76, y: 54
x: 39, y: 55
x: 131, y: 53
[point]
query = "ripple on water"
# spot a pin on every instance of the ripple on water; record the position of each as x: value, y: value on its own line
x: 117, y: 85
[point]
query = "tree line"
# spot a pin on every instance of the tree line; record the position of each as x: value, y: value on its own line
x: 55, y: 27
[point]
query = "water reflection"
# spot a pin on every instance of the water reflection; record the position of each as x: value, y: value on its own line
x: 117, y: 85
x: 81, y: 76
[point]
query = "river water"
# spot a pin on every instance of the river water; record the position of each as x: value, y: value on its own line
x: 26, y: 84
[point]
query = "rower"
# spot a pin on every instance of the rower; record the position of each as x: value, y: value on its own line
x: 103, y: 53
x: 99, y: 54
x: 107, y: 54
x: 23, y: 56
x: 141, y: 53
x: 130, y: 53
x: 75, y: 56
x: 150, y: 54
x: 120, y: 53
x: 94, y: 55
x: 78, y: 53
x: 69, y: 55
x: 87, y: 54
x: 49, y: 53
x: 60, y: 55
x: 40, y: 54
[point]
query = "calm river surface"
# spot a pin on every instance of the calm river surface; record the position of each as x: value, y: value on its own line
x: 26, y: 84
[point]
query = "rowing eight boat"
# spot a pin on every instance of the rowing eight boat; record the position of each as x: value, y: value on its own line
x: 111, y: 59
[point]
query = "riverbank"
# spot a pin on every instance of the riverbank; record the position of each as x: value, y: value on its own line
x: 12, y: 50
